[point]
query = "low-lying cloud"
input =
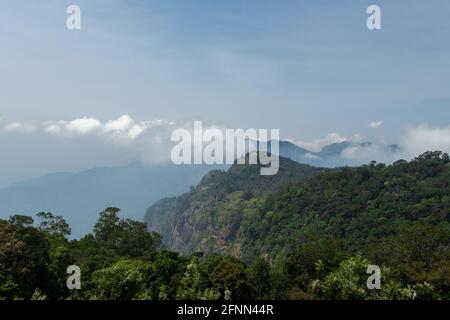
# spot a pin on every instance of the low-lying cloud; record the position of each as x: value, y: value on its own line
x: 149, y: 140
x: 427, y: 138
x: 411, y: 143
x: 317, y: 145
x: 123, y: 129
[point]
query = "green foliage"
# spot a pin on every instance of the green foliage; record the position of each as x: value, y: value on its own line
x: 191, y: 285
x: 8, y: 289
x: 124, y: 280
x: 24, y: 258
x: 217, y: 206
x: 230, y: 274
x: 348, y: 282
x: 299, y: 266
x: 396, y: 215
x: 259, y: 275
x: 21, y: 221
x: 125, y: 237
x: 53, y: 225
x: 420, y: 254
x: 306, y: 234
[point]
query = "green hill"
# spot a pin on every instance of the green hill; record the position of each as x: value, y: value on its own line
x: 306, y: 233
x: 208, y: 218
x: 246, y: 215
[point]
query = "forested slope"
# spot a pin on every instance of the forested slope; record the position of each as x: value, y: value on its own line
x: 309, y: 235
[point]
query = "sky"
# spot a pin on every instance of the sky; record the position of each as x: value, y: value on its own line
x: 111, y: 92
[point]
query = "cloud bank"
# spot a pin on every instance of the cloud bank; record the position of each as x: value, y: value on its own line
x: 413, y: 142
x: 149, y: 140
x: 426, y: 138
x: 123, y: 129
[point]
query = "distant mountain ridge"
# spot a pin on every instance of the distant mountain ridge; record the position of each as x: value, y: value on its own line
x: 330, y: 155
x: 78, y: 197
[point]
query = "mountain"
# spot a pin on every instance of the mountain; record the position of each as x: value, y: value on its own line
x: 245, y: 215
x: 335, y: 148
x: 307, y: 233
x: 331, y: 155
x: 209, y: 216
x: 78, y: 197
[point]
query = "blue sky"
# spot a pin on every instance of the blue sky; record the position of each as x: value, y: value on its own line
x: 309, y: 68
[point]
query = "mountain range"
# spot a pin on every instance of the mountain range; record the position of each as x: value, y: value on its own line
x: 78, y: 197
x: 245, y: 215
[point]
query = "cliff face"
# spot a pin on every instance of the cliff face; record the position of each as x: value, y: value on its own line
x: 211, y: 226
x: 209, y: 217
x: 246, y: 215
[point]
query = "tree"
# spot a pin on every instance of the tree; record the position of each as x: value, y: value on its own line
x: 230, y: 274
x: 349, y: 282
x: 420, y: 254
x: 53, y: 225
x: 124, y: 280
x: 300, y: 265
x: 259, y: 275
x: 192, y: 286
x: 21, y: 221
x: 125, y: 237
x: 24, y: 257
x: 107, y: 228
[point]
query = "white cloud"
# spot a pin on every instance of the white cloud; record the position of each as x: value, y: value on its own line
x: 147, y: 140
x: 122, y: 130
x: 363, y: 153
x: 83, y: 126
x: 52, y: 128
x: 317, y: 145
x: 375, y: 124
x: 120, y: 124
x: 312, y: 156
x: 135, y: 131
x: 356, y: 138
x: 414, y: 142
x: 424, y: 138
x: 151, y: 138
x: 19, y: 127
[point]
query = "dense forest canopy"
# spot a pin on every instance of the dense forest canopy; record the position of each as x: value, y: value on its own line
x: 309, y: 235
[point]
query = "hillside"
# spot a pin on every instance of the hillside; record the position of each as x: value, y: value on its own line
x: 245, y: 215
x: 78, y: 197
x: 208, y: 218
x: 307, y: 233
